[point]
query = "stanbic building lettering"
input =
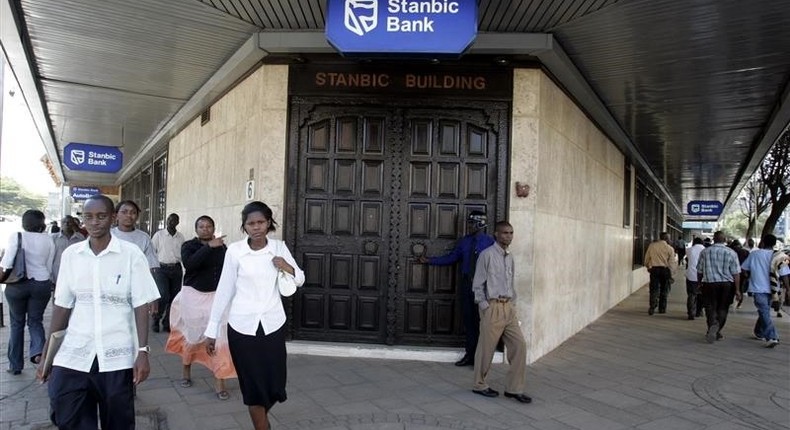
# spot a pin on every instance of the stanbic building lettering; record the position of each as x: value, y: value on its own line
x: 435, y: 27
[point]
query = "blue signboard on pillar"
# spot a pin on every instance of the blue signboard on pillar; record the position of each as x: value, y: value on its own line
x: 705, y: 207
x: 83, y: 193
x: 429, y: 27
x: 92, y: 158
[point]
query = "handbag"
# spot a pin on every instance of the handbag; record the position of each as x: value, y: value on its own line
x: 17, y: 273
x: 284, y: 282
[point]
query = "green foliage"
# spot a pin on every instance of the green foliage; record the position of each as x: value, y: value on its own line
x: 15, y: 199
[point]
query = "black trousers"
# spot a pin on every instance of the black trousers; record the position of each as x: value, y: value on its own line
x: 659, y: 287
x: 470, y: 316
x: 168, y: 280
x: 75, y: 397
x: 717, y: 298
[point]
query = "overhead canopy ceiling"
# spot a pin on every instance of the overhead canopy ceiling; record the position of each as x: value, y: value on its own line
x: 699, y: 87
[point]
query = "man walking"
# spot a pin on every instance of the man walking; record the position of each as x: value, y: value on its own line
x: 467, y: 250
x: 659, y: 260
x: 67, y: 236
x: 495, y: 296
x: 167, y: 244
x: 758, y: 266
x: 719, y: 272
x: 693, y: 301
x: 104, y: 287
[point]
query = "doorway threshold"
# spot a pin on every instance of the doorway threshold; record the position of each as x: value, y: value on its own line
x: 386, y: 352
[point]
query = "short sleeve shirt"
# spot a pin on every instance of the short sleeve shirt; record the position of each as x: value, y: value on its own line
x: 102, y: 292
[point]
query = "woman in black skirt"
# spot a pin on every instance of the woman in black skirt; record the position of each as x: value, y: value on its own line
x: 251, y: 272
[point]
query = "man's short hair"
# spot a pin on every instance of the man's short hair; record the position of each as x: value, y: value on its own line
x: 104, y: 199
x: 697, y: 241
x: 768, y: 241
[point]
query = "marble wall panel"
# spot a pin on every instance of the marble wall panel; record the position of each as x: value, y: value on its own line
x: 210, y: 164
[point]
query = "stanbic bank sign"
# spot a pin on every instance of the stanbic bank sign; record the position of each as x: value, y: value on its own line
x: 438, y: 27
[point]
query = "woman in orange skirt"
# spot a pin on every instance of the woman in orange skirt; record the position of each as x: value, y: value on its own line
x: 202, y: 257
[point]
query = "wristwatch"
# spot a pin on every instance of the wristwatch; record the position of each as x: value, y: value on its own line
x: 146, y: 349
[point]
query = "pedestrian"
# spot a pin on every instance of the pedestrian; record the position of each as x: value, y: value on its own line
x: 68, y: 235
x: 495, y: 296
x: 680, y: 249
x: 126, y: 214
x: 660, y: 262
x: 167, y: 246
x: 28, y: 299
x: 251, y: 273
x: 104, y: 288
x: 189, y: 314
x: 759, y: 267
x: 693, y: 300
x: 736, y: 246
x: 466, y: 250
x: 720, y: 274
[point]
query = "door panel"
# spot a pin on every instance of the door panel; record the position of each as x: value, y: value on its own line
x: 376, y: 186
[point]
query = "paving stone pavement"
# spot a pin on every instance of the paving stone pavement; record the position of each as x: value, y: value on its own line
x: 627, y: 370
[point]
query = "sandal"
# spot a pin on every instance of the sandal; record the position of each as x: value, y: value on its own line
x: 186, y: 382
x: 223, y: 395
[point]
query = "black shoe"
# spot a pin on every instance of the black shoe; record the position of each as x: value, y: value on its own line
x: 155, y: 327
x: 698, y: 314
x: 662, y: 311
x: 719, y: 336
x: 691, y: 317
x: 523, y: 398
x: 488, y: 392
x: 651, y: 311
x: 710, y: 335
x: 466, y: 361
x: 14, y: 372
x: 166, y: 328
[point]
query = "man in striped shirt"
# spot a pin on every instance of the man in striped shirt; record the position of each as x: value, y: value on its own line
x: 719, y: 271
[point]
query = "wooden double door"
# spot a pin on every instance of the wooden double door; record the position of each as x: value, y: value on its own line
x: 373, y: 186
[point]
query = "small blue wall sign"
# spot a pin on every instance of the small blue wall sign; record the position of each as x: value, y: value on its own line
x: 705, y: 207
x: 83, y: 193
x: 92, y: 158
x: 425, y: 27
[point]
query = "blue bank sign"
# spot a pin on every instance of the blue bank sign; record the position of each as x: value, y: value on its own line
x: 83, y: 193
x: 705, y: 207
x: 93, y: 158
x: 441, y: 27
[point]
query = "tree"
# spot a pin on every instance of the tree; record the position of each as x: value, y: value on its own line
x: 15, y: 199
x: 774, y: 173
x: 753, y: 201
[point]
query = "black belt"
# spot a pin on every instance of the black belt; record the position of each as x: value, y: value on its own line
x: 500, y: 299
x: 169, y: 264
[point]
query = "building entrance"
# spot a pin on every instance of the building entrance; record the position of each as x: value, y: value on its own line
x: 375, y: 187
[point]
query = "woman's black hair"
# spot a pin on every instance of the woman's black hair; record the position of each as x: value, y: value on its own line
x: 261, y: 207
x: 33, y: 220
x: 127, y: 202
x: 204, y: 217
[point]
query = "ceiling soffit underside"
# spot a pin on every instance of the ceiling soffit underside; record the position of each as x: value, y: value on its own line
x: 112, y: 72
x: 692, y: 83
x: 521, y: 16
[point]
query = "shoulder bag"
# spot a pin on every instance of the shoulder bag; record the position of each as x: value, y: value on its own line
x: 17, y: 273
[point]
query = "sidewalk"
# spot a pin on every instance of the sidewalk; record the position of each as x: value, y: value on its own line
x: 627, y: 370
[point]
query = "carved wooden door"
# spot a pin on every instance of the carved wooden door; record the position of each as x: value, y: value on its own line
x: 373, y: 188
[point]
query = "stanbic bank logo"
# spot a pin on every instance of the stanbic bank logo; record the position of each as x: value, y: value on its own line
x: 361, y: 16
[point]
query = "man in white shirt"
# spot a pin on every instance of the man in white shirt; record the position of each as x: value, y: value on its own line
x: 167, y: 244
x: 694, y: 300
x: 104, y: 287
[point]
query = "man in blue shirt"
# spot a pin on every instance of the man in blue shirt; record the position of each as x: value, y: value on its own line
x: 758, y: 265
x: 466, y: 250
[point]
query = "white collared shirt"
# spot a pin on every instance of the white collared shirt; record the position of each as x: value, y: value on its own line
x: 39, y: 254
x: 247, y: 283
x: 102, y: 292
x: 167, y: 246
